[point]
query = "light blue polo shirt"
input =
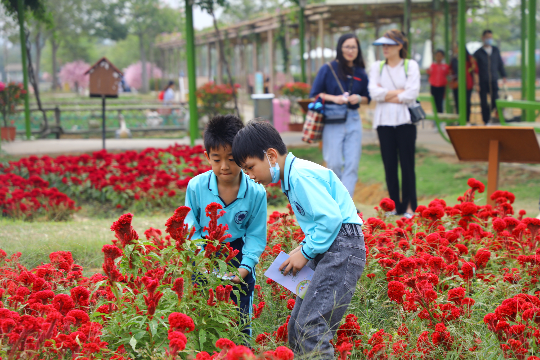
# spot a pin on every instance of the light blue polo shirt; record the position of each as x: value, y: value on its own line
x: 320, y: 202
x: 245, y: 216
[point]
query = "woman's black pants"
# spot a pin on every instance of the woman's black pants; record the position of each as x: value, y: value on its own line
x: 398, y: 143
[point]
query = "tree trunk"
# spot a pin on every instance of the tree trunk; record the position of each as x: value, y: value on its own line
x: 55, y: 45
x: 37, y: 44
x: 225, y: 62
x: 144, y: 75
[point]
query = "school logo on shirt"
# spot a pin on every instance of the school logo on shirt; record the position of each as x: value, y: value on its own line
x: 240, y: 216
x: 299, y: 208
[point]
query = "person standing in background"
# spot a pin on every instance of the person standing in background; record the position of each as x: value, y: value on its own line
x: 470, y: 69
x: 490, y: 65
x: 438, y: 72
x: 395, y: 84
x: 343, y: 85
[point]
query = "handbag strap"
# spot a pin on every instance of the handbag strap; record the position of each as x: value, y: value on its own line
x: 335, y: 76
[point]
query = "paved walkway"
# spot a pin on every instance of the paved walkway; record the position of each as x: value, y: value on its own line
x: 428, y: 138
x: 73, y: 146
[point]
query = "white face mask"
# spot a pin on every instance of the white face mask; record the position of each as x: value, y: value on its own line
x: 274, y: 170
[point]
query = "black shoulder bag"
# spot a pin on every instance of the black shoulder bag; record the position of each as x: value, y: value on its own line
x: 416, y: 111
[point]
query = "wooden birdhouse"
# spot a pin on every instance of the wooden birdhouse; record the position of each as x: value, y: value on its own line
x: 104, y: 79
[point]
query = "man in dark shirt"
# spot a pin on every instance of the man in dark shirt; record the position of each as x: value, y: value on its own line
x: 490, y: 65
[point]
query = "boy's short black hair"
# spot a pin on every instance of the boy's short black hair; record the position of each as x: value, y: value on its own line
x: 440, y: 51
x: 220, y: 131
x: 254, y: 139
x: 487, y: 31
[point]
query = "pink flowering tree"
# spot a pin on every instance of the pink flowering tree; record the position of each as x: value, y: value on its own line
x: 133, y: 74
x: 73, y: 74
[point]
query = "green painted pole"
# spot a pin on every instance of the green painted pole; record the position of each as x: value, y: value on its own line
x: 531, y: 61
x: 302, y: 37
x: 447, y: 48
x: 523, y: 55
x: 462, y: 82
x: 20, y: 11
x: 192, y: 84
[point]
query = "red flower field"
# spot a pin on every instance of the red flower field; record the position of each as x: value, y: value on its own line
x: 51, y: 187
x: 452, y: 282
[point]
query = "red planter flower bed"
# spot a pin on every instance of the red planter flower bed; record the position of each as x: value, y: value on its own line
x: 152, y: 178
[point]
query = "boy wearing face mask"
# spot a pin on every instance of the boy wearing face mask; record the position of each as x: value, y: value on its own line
x: 243, y: 201
x: 490, y: 65
x: 334, y: 243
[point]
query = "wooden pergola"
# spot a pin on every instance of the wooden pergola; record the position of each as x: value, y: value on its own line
x: 320, y: 20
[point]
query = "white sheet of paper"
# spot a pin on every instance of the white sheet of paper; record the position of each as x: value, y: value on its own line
x: 297, y: 284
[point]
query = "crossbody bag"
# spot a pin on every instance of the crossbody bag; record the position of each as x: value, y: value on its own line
x: 415, y: 110
x: 340, y: 116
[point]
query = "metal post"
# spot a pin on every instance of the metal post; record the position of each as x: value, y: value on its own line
x: 447, y: 48
x: 192, y: 86
x: 523, y: 54
x: 302, y: 37
x: 531, y: 61
x: 57, y: 120
x: 407, y: 18
x: 103, y: 131
x: 20, y: 10
x: 462, y: 82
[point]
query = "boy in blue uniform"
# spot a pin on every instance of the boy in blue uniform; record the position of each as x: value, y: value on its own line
x: 334, y: 244
x: 243, y: 200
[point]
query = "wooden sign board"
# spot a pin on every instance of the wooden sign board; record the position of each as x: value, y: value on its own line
x: 495, y: 144
x: 104, y: 79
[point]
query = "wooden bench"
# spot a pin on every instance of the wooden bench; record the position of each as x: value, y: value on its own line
x: 439, y: 118
x: 519, y: 104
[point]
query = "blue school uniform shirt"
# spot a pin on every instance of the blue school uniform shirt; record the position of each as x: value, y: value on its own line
x: 325, y: 82
x: 320, y: 202
x: 245, y: 216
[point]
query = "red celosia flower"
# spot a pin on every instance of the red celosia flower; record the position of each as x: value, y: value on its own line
x: 290, y: 304
x: 257, y: 309
x: 225, y: 344
x: 467, y: 270
x: 481, y: 258
x: 63, y: 303
x: 396, y: 290
x: 283, y: 353
x: 476, y: 185
x: 387, y: 204
x: 177, y: 342
x: 181, y: 322
x: 176, y: 227
x: 178, y: 288
x: 240, y: 352
x: 533, y: 225
x: 124, y: 231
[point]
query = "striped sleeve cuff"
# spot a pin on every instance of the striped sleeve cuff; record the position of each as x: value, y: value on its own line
x: 306, y: 255
x: 247, y: 267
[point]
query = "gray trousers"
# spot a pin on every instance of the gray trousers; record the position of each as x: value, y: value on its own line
x: 315, y: 319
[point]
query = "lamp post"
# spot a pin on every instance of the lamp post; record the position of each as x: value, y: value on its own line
x: 462, y: 82
x: 302, y: 36
x: 192, y: 85
x: 20, y: 10
x: 531, y: 61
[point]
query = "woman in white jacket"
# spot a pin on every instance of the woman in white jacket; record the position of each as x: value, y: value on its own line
x: 394, y: 84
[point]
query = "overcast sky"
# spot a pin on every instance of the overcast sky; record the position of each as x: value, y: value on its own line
x: 201, y: 19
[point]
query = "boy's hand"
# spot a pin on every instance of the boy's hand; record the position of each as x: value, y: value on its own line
x: 294, y: 263
x: 243, y: 273
x: 295, y: 250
